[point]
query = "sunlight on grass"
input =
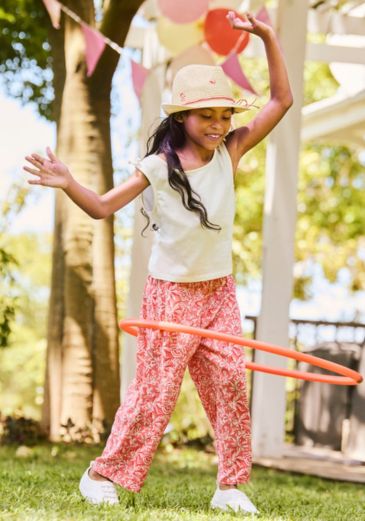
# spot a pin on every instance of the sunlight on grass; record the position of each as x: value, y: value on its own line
x: 43, y: 486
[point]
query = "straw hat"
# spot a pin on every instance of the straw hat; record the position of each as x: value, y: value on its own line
x: 202, y: 86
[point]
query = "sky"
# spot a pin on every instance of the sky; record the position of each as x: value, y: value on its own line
x: 23, y: 133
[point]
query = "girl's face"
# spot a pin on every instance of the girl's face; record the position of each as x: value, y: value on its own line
x: 207, y: 127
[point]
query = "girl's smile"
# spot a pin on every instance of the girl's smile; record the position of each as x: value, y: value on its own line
x: 214, y: 137
x: 206, y: 128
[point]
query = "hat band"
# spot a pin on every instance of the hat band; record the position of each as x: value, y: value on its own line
x: 231, y: 100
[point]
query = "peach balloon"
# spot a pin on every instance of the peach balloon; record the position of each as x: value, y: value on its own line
x: 178, y: 37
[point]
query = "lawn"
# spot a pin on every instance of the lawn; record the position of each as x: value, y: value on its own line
x: 43, y: 486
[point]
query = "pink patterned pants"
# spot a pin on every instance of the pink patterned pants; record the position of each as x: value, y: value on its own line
x: 217, y: 369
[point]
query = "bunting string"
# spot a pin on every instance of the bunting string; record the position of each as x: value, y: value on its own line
x: 77, y: 19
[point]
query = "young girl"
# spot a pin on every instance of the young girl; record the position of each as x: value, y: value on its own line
x: 190, y: 166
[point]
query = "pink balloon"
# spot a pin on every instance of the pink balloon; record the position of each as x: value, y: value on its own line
x: 183, y: 11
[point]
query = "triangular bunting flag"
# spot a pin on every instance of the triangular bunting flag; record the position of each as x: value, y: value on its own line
x: 139, y: 75
x: 263, y: 16
x: 233, y: 69
x: 54, y: 10
x: 95, y: 44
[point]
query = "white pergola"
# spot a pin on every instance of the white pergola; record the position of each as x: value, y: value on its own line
x: 340, y: 119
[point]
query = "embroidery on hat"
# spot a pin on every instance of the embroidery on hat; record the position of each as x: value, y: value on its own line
x: 182, y: 96
x: 245, y: 103
x: 213, y: 82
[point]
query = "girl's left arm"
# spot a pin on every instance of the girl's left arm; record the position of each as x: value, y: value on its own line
x: 281, y: 99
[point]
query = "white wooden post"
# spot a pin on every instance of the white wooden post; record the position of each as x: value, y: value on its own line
x: 268, y: 398
x: 151, y: 102
x: 355, y: 447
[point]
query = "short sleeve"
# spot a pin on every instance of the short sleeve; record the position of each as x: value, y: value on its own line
x: 150, y: 166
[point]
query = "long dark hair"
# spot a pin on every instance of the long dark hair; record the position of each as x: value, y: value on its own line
x: 169, y: 136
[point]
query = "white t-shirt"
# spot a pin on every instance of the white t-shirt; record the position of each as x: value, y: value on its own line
x: 182, y: 250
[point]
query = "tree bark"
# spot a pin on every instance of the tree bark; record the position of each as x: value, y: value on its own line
x: 82, y: 383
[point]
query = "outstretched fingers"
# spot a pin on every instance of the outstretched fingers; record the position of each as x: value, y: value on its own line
x: 36, y: 160
x: 35, y: 181
x: 35, y: 172
x: 48, y: 170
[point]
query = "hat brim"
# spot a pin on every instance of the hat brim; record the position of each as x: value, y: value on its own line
x: 238, y: 106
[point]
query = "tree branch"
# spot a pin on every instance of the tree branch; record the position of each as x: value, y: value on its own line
x: 115, y: 25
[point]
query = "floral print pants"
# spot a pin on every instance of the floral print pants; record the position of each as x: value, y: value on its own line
x: 217, y: 369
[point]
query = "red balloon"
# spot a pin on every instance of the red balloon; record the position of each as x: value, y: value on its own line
x: 219, y: 34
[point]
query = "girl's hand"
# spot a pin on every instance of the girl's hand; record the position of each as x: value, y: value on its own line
x: 251, y: 25
x: 50, y: 172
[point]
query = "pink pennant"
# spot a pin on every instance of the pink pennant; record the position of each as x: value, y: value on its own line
x: 263, y: 16
x: 233, y: 69
x: 54, y: 10
x: 95, y: 44
x: 139, y: 75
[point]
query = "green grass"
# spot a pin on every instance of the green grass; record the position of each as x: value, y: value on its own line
x: 44, y: 487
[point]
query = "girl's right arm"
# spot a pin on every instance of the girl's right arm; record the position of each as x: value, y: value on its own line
x: 52, y: 172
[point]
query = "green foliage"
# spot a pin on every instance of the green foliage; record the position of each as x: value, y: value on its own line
x: 22, y: 365
x: 12, y: 205
x: 25, y: 59
x: 250, y: 183
x: 318, y: 82
x: 8, y: 301
x: 247, y: 240
x: 32, y: 278
x: 331, y: 213
x: 22, y: 368
x: 331, y: 199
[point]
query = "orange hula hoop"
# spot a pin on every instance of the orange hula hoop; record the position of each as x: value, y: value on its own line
x: 347, y: 376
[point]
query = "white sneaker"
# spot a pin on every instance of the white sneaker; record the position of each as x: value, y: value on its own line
x: 234, y: 499
x: 97, y: 492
